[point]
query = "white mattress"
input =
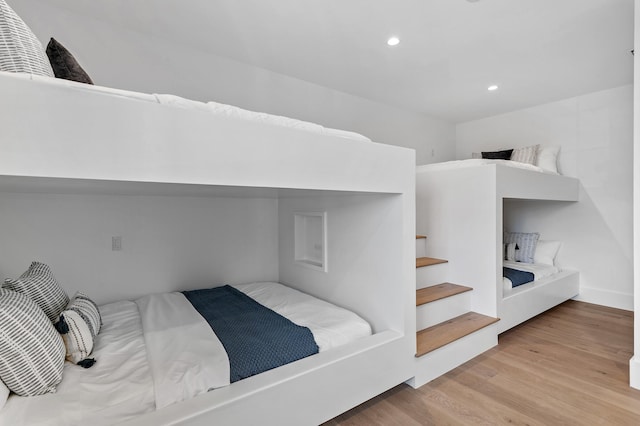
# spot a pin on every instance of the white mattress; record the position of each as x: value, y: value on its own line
x: 539, y: 271
x: 159, y: 350
x: 214, y: 108
x: 475, y: 162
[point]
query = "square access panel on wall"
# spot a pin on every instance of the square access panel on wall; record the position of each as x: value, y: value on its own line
x: 311, y: 240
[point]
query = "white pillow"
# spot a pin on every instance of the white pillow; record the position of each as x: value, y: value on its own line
x: 79, y: 325
x: 527, y: 155
x: 546, y: 252
x: 20, y: 50
x: 39, y: 284
x: 4, y: 394
x: 548, y: 158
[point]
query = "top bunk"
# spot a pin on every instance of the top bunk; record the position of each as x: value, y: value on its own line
x: 56, y: 129
x: 509, y: 179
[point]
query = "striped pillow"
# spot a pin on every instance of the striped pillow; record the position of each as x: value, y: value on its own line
x: 79, y: 325
x: 510, y: 251
x: 39, y: 284
x: 20, y: 50
x: 526, y: 244
x: 528, y: 154
x: 31, y: 351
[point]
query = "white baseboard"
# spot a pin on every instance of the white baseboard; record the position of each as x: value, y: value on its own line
x: 612, y: 299
x: 634, y: 372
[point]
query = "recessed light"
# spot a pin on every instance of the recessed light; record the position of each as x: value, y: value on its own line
x: 393, y: 41
x: 492, y: 88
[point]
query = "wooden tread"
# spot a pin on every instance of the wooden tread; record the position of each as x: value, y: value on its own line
x: 437, y: 292
x: 428, y: 261
x: 420, y: 237
x: 449, y: 331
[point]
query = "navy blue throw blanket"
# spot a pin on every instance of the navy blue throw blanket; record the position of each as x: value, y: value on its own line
x: 517, y: 277
x: 256, y: 338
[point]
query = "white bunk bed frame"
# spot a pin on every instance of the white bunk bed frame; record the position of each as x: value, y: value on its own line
x: 461, y: 211
x: 70, y: 139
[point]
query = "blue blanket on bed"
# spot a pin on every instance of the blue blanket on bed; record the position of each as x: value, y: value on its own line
x: 256, y: 338
x: 517, y: 277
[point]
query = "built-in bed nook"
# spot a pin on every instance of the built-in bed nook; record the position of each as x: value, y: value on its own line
x: 464, y: 208
x: 123, y: 197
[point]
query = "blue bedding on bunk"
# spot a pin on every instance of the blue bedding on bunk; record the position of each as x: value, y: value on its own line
x: 517, y: 277
x: 256, y: 338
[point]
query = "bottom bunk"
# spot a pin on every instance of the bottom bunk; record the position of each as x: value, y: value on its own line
x: 525, y: 301
x: 160, y: 349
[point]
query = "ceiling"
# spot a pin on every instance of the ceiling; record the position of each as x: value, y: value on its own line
x: 536, y: 51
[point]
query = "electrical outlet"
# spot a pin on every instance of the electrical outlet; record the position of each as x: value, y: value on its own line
x: 116, y: 243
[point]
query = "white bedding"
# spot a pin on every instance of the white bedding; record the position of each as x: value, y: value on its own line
x: 117, y: 388
x: 213, y: 108
x: 474, y: 162
x: 539, y: 271
x: 159, y: 350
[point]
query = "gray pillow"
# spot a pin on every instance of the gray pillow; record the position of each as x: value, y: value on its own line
x: 39, y: 284
x: 20, y: 50
x: 64, y: 64
x: 526, y: 243
x: 31, y: 350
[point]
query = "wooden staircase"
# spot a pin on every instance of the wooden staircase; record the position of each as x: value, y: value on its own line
x: 448, y: 332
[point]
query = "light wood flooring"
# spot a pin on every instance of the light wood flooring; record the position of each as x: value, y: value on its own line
x: 568, y: 366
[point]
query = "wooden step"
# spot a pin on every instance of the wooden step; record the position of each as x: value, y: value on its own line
x: 437, y: 292
x: 428, y: 261
x: 420, y: 237
x: 449, y: 331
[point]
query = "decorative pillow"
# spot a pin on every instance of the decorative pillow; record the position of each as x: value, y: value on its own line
x: 79, y: 325
x: 527, y: 155
x: 526, y: 244
x: 64, y: 64
x: 548, y: 158
x: 498, y: 155
x: 510, y: 251
x: 20, y: 50
x: 4, y: 394
x: 31, y: 351
x: 39, y: 284
x: 546, y: 252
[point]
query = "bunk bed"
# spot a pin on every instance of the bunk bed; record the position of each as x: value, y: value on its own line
x: 460, y: 206
x: 90, y: 159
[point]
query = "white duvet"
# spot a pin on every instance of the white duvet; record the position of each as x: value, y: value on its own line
x: 539, y: 271
x: 159, y: 350
x: 473, y: 162
x: 213, y: 108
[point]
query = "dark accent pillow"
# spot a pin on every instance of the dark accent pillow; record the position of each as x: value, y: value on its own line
x: 64, y: 64
x: 494, y: 155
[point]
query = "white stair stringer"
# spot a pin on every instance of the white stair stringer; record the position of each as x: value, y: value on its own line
x: 442, y: 310
x: 428, y: 276
x: 442, y: 360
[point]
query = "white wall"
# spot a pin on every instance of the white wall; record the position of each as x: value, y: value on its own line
x: 168, y: 243
x: 364, y: 234
x: 634, y: 364
x: 123, y: 59
x: 595, y: 133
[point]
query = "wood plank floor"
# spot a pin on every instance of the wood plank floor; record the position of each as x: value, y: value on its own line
x: 568, y: 366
